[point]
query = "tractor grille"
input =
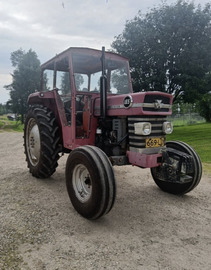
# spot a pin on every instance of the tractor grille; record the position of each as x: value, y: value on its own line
x: 163, y: 103
x: 138, y: 141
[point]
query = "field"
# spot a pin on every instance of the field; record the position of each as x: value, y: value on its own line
x: 186, y: 119
x: 197, y: 136
x: 8, y: 125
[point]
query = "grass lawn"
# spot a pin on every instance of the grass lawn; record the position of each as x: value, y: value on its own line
x: 8, y: 125
x: 198, y: 136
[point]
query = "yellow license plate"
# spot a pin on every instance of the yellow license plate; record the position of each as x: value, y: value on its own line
x: 154, y: 142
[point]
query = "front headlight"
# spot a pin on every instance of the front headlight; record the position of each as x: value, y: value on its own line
x: 167, y: 127
x: 142, y: 128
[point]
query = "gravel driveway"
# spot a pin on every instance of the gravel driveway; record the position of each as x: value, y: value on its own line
x: 146, y: 229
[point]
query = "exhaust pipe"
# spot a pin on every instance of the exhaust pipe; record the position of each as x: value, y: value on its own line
x: 103, y: 88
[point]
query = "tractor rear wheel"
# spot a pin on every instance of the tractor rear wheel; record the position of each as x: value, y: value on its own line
x: 41, y: 141
x: 186, y: 180
x: 90, y: 181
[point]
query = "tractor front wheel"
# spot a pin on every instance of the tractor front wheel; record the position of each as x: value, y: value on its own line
x: 181, y: 171
x: 41, y: 141
x: 90, y: 181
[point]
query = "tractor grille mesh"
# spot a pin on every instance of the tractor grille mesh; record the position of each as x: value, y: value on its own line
x: 152, y: 99
x: 138, y: 141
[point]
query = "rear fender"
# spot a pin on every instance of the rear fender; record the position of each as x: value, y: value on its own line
x: 51, y: 100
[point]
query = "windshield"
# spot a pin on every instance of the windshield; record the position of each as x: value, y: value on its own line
x: 88, y: 70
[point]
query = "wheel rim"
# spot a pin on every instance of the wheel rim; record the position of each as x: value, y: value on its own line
x: 82, y: 183
x: 33, y: 142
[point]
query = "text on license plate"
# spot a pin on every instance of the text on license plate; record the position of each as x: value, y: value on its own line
x: 155, y: 142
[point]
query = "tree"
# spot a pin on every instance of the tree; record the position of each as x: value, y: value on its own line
x: 65, y: 83
x: 119, y: 80
x: 205, y: 107
x: 25, y: 79
x: 169, y: 49
x: 3, y: 109
x: 79, y: 80
x: 204, y: 103
x: 16, y: 57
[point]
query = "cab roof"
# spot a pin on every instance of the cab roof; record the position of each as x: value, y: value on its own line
x: 79, y: 51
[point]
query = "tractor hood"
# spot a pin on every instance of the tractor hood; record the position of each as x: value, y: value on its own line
x: 142, y: 103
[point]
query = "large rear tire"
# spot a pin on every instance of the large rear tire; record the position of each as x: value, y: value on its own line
x: 41, y: 141
x: 90, y: 181
x: 192, y: 178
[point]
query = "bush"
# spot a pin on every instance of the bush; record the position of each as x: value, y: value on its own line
x: 204, y: 107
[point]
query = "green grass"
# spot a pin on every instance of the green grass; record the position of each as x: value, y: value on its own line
x: 186, y: 119
x: 197, y: 136
x: 8, y: 125
x: 181, y: 122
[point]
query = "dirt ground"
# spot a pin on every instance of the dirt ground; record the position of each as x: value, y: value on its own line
x: 146, y: 229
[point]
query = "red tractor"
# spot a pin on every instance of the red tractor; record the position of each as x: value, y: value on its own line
x: 86, y: 107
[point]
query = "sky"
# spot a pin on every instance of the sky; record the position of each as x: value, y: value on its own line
x: 48, y: 27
